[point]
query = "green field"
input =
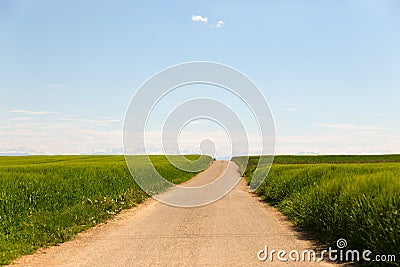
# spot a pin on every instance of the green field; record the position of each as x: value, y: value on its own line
x: 45, y: 200
x: 334, y: 197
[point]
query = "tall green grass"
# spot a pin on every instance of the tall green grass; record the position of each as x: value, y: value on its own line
x: 358, y: 202
x: 317, y: 159
x: 47, y: 200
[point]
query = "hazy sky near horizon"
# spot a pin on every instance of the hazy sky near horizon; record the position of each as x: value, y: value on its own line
x: 329, y: 69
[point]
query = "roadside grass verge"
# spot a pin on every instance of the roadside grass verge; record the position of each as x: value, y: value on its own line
x: 46, y: 200
x: 356, y: 201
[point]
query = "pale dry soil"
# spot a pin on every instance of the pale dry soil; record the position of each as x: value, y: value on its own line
x: 228, y: 232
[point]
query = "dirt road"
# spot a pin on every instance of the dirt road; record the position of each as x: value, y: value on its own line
x: 229, y: 232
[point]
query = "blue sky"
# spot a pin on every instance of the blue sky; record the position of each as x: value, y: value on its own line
x: 329, y: 69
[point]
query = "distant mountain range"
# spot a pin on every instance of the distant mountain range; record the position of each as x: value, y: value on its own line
x: 23, y: 151
x: 19, y: 151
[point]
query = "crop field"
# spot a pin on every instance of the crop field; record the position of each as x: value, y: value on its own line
x: 45, y: 200
x: 333, y: 197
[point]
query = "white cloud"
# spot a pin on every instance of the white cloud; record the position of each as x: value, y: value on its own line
x: 59, y: 134
x: 347, y: 142
x: 30, y: 112
x: 92, y: 121
x: 348, y: 126
x: 198, y: 18
x: 219, y: 24
x: 60, y: 138
x: 66, y: 135
x: 22, y: 119
x: 189, y: 142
